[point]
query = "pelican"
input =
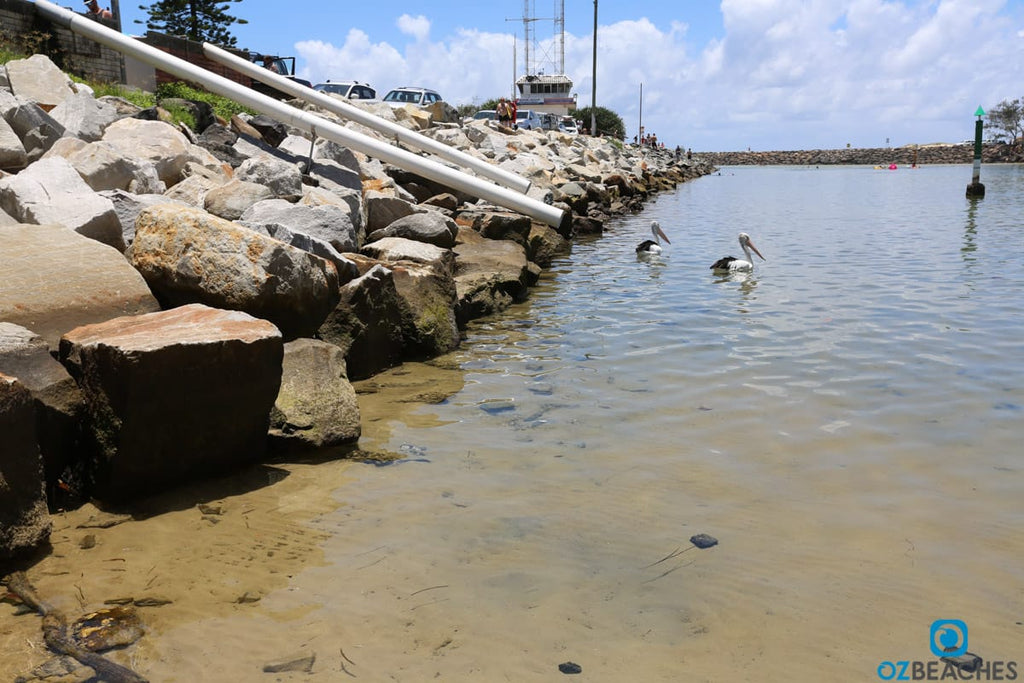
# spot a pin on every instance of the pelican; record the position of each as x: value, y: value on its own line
x: 731, y: 264
x: 653, y: 246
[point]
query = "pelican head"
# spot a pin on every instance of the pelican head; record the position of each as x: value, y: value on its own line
x: 657, y: 232
x: 747, y: 245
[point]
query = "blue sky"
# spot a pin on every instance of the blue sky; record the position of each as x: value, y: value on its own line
x: 716, y: 76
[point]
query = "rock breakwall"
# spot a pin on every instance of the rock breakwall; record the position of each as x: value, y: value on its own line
x: 878, y: 156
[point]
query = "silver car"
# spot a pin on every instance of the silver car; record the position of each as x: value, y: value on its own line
x: 421, y: 97
x: 353, y: 90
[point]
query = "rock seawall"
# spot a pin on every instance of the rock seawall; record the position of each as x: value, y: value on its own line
x: 878, y: 156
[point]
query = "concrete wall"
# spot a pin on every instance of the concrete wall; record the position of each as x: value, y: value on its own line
x: 80, y: 56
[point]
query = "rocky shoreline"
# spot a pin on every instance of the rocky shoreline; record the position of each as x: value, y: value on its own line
x: 177, y: 303
x: 879, y: 156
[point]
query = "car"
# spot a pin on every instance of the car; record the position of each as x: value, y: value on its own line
x: 353, y: 90
x: 486, y: 114
x: 528, y: 119
x: 568, y: 125
x: 421, y: 97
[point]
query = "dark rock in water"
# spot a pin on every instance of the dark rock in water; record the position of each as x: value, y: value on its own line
x: 703, y: 541
x: 107, y: 628
x: 570, y: 668
x: 300, y: 661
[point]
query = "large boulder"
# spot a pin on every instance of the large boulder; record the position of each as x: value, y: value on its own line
x: 37, y: 79
x: 155, y: 141
x: 233, y: 198
x: 190, y: 256
x: 490, y: 275
x: 174, y: 396
x: 84, y: 117
x: 51, y: 191
x: 104, y: 167
x: 430, y: 227
x: 128, y: 206
x: 57, y: 399
x: 368, y: 323
x: 52, y: 280
x: 328, y: 222
x: 280, y: 177
x: 383, y: 209
x: 12, y: 152
x: 316, y: 406
x: 24, y: 521
x: 423, y: 276
x: 37, y: 130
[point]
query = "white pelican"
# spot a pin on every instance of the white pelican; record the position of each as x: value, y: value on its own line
x: 731, y: 264
x: 653, y: 246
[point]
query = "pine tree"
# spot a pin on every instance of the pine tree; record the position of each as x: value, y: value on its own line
x: 199, y: 20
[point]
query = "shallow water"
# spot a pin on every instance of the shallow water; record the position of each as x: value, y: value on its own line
x: 845, y: 421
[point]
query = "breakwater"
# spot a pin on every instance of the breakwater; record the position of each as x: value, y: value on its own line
x: 877, y: 156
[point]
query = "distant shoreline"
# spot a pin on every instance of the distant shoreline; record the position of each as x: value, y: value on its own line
x: 925, y: 154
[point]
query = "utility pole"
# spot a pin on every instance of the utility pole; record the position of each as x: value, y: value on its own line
x: 593, y: 79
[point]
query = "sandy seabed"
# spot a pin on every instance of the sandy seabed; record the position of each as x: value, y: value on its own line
x: 497, y: 566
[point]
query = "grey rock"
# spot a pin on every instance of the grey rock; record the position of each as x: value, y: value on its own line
x: 24, y: 521
x: 326, y: 222
x: 280, y: 177
x: 58, y: 401
x: 12, y: 153
x: 51, y: 192
x: 37, y: 79
x: 84, y: 117
x: 128, y: 206
x: 316, y: 406
x: 154, y: 141
x: 231, y: 200
x: 429, y: 227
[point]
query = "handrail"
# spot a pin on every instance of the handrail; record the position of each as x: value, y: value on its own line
x: 350, y: 111
x: 428, y: 168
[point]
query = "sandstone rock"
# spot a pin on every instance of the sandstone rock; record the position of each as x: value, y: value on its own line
x: 37, y: 79
x: 316, y: 406
x: 24, y: 521
x: 490, y: 275
x: 153, y: 141
x: 52, y: 279
x: 51, y: 192
x: 231, y: 200
x: 367, y: 323
x: 84, y: 117
x: 37, y: 129
x: 192, y: 190
x: 544, y: 244
x: 496, y: 225
x: 174, y: 396
x: 189, y: 256
x: 327, y: 222
x: 58, y: 401
x: 429, y: 227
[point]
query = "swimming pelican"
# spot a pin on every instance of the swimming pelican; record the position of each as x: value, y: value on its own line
x: 653, y: 246
x: 731, y: 264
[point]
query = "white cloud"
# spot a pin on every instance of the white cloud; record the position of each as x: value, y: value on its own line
x: 418, y: 27
x: 787, y: 74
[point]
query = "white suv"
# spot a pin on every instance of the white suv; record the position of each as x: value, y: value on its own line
x: 421, y: 97
x: 528, y: 119
x: 353, y: 90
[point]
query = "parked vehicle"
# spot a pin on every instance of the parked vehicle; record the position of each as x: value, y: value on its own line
x: 353, y: 90
x: 486, y: 114
x: 528, y: 119
x: 421, y: 97
x: 282, y: 66
x: 568, y: 125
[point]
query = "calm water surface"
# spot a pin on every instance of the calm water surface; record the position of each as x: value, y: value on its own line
x: 846, y: 421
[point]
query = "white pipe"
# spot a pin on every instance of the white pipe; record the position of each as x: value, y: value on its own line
x: 315, y: 125
x: 350, y: 111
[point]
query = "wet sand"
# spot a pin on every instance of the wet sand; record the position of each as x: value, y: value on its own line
x: 508, y: 558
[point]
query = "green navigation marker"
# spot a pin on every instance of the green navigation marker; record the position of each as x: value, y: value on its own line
x: 980, y: 112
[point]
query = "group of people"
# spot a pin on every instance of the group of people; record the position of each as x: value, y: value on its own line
x: 506, y: 112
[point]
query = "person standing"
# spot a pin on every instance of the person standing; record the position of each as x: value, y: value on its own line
x: 504, y: 112
x: 515, y: 111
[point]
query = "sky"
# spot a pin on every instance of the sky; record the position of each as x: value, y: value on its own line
x: 711, y: 76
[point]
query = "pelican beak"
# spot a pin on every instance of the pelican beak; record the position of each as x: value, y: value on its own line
x: 663, y: 236
x: 751, y: 245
